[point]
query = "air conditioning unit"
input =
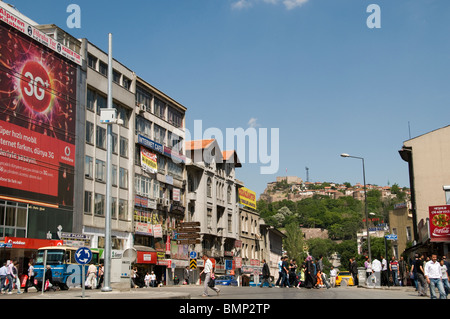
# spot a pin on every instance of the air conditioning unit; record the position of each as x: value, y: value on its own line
x: 160, y: 201
x: 166, y: 202
x: 142, y: 108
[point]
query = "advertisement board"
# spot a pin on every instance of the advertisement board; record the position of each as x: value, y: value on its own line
x: 439, y: 223
x: 247, y: 197
x: 37, y: 120
x: 149, y: 161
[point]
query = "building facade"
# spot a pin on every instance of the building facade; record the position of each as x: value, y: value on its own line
x: 427, y: 156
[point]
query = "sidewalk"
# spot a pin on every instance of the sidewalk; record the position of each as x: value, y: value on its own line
x: 77, y: 293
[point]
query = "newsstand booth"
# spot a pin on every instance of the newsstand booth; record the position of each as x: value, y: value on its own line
x: 23, y: 250
x: 145, y: 261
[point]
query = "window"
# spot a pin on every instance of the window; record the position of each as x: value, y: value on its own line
x: 161, y: 161
x: 88, y: 166
x: 229, y: 195
x: 156, y: 189
x: 209, y: 187
x: 230, y: 223
x: 160, y: 134
x: 87, y: 202
x: 89, y: 132
x: 101, y: 137
x: 123, y: 178
x: 99, y: 205
x: 123, y: 146
x: 122, y: 114
x: 116, y: 77
x: 160, y: 108
x: 114, y: 143
x: 174, y: 117
x: 143, y: 97
x: 174, y: 169
x: 123, y: 209
x: 103, y: 68
x: 126, y: 83
x: 143, y: 126
x: 143, y: 185
x: 90, y: 102
x: 92, y: 61
x: 102, y: 102
x: 175, y: 142
x: 114, y: 175
x: 100, y: 170
x: 114, y: 207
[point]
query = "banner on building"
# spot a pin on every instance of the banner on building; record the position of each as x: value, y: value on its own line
x: 439, y: 223
x: 247, y: 197
x: 38, y: 100
x: 149, y: 161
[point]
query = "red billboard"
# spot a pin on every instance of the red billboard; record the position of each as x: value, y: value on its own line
x: 37, y: 120
x: 440, y: 223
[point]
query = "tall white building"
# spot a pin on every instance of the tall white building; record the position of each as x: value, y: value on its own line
x: 212, y: 199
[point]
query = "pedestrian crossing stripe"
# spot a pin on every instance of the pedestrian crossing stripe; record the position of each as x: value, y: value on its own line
x: 193, y: 264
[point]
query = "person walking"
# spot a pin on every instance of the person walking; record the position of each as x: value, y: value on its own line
x: 49, y: 278
x: 333, y: 275
x: 30, y: 275
x: 186, y: 275
x: 153, y: 279
x: 16, y: 276
x: 280, y: 272
x: 433, y: 276
x: 418, y: 272
x: 354, y: 271
x: 265, y: 274
x: 100, y: 276
x: 384, y: 272
x: 444, y: 272
x: 285, y: 272
x: 92, y: 276
x: 368, y: 267
x: 309, y: 273
x: 209, y: 275
x: 3, y: 274
x: 9, y: 275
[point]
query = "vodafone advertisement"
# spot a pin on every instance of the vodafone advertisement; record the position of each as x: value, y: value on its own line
x: 440, y: 223
x: 37, y: 120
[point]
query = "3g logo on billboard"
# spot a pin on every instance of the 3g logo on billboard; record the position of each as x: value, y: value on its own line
x: 35, y: 87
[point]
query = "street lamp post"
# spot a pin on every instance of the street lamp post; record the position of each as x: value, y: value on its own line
x: 365, y: 202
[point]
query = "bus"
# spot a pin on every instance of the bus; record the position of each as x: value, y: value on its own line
x: 66, y: 272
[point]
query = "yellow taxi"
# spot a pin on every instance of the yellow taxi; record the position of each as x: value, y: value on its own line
x: 344, y: 276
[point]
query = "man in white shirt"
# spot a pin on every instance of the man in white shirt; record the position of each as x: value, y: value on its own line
x: 209, y: 274
x: 433, y: 276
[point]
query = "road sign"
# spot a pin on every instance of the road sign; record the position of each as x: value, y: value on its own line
x: 193, y: 264
x: 193, y: 255
x: 83, y: 255
x: 391, y: 237
x: 188, y: 241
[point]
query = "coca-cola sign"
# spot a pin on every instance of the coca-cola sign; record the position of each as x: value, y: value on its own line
x: 440, y: 223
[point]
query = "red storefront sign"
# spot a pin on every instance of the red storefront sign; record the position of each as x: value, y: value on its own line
x: 31, y: 243
x: 440, y: 223
x: 146, y: 257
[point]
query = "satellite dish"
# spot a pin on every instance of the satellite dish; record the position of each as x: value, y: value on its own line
x: 130, y: 253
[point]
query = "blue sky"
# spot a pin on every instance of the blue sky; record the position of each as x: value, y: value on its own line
x: 315, y: 71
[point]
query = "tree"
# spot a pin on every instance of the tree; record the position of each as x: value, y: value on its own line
x: 293, y: 243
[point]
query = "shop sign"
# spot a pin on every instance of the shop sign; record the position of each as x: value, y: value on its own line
x: 146, y: 257
x: 439, y: 223
x: 31, y: 243
x: 238, y: 262
x: 247, y: 197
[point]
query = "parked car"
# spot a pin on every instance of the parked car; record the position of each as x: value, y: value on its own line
x: 226, y: 280
x: 344, y: 276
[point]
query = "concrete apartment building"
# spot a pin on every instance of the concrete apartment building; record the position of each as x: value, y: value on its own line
x: 427, y: 157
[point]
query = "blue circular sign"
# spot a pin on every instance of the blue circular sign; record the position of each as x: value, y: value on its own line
x: 83, y: 255
x: 193, y: 254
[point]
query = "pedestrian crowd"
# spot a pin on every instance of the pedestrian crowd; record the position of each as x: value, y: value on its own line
x: 426, y: 274
x: 310, y: 274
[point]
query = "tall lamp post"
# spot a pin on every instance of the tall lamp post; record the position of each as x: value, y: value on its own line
x: 365, y: 202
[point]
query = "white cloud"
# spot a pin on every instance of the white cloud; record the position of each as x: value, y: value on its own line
x: 241, y: 4
x: 292, y: 4
x: 289, y: 4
